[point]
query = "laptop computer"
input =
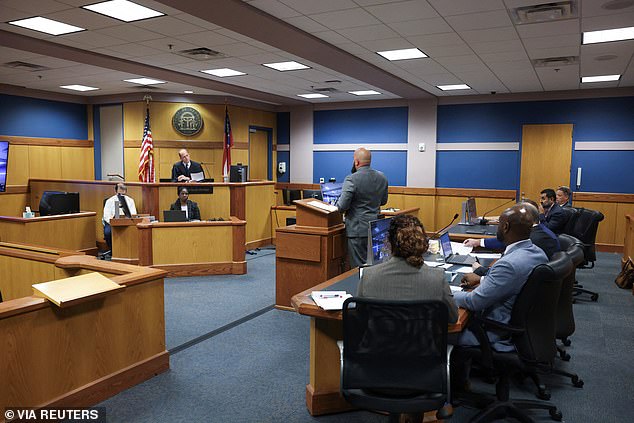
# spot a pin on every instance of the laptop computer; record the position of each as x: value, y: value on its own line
x: 174, y: 216
x: 449, y: 256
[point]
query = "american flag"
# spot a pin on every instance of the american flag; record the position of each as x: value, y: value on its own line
x: 226, y: 149
x: 146, y: 161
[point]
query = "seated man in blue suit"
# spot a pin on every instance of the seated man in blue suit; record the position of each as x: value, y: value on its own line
x: 541, y: 236
x: 551, y: 213
x: 496, y: 293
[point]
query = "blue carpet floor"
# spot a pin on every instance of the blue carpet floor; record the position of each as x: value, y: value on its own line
x: 256, y: 370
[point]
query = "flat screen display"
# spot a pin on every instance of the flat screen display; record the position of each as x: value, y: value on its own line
x: 378, y: 248
x: 472, y: 214
x: 4, y: 159
x: 331, y: 191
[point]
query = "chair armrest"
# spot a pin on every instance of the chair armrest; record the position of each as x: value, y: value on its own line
x: 488, y: 323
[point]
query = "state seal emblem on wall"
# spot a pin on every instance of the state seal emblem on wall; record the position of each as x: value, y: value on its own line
x: 187, y: 121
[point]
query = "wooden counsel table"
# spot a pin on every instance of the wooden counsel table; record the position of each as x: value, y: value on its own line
x: 183, y: 248
x: 459, y: 233
x: 66, y: 231
x: 322, y: 392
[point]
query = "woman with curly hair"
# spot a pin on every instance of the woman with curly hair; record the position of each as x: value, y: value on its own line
x: 405, y: 276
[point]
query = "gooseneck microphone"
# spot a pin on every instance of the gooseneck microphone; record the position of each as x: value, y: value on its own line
x: 484, y: 221
x: 455, y: 216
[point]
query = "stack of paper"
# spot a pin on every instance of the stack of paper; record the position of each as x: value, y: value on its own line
x: 330, y: 300
x: 323, y: 206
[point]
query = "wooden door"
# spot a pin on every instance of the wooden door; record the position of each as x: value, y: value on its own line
x: 546, y: 157
x: 258, y: 155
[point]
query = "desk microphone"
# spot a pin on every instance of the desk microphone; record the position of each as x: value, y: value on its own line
x: 484, y: 221
x: 205, y: 168
x: 455, y: 216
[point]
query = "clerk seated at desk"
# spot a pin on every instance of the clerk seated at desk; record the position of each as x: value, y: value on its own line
x: 126, y: 208
x: 404, y: 276
x: 192, y: 212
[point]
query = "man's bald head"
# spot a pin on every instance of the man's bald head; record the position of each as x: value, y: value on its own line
x: 533, y: 210
x: 515, y: 223
x: 362, y: 157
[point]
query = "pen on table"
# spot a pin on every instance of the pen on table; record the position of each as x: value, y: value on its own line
x: 329, y: 296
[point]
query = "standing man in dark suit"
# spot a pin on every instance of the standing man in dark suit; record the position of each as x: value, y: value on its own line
x: 182, y: 171
x: 551, y: 213
x: 363, y: 192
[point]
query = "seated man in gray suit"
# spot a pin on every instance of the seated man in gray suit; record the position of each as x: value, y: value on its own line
x: 363, y: 192
x: 497, y: 291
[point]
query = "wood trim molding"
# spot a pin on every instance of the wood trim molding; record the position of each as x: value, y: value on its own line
x: 189, y: 144
x: 290, y: 185
x: 52, y: 142
x: 113, y: 383
x: 603, y: 197
x: 43, y: 218
x: 16, y: 189
x: 411, y: 190
x: 258, y: 243
x: 609, y: 248
x: 478, y: 193
x: 203, y: 269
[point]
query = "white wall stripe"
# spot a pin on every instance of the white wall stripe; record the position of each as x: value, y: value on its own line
x: 475, y: 146
x: 283, y: 147
x: 604, y: 145
x: 352, y: 147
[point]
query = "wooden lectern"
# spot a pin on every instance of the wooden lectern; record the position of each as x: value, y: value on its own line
x: 125, y: 239
x: 309, y: 252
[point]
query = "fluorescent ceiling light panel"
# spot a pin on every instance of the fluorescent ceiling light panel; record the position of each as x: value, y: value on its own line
x: 188, y: 92
x: 454, y: 87
x: 286, y: 66
x: 46, y: 25
x: 223, y: 72
x: 123, y: 10
x: 600, y: 78
x: 314, y: 95
x: 366, y: 92
x: 606, y: 35
x: 78, y: 87
x: 145, y: 81
x: 403, y: 54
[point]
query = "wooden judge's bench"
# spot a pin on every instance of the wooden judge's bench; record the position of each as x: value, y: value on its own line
x: 309, y: 252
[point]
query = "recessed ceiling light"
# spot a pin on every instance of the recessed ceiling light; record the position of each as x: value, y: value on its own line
x: 314, y: 95
x: 223, y: 72
x: 123, y: 10
x: 188, y: 92
x: 407, y: 53
x: 366, y: 92
x: 46, y: 25
x: 454, y: 87
x: 600, y: 78
x: 145, y: 81
x: 78, y: 87
x: 286, y: 66
x: 606, y: 35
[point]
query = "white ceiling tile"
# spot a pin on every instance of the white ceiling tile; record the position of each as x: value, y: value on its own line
x: 36, y: 8
x: 570, y: 26
x: 553, y: 52
x: 483, y: 20
x: 621, y: 20
x: 497, y: 46
x: 275, y: 8
x: 375, y: 2
x: 506, y: 56
x: 448, y: 51
x: 308, y: 7
x: 134, y: 50
x: 368, y: 33
x: 345, y: 18
x: 353, y: 48
x: 94, y: 39
x: 494, y: 34
x: 421, y: 27
x: 164, y: 59
x: 332, y: 37
x: 208, y: 39
x: 128, y: 33
x: 546, y: 42
x: 382, y: 45
x: 465, y: 59
x: 163, y: 44
x: 442, y: 79
x: 169, y: 26
x: 240, y: 49
x: 260, y: 58
x: 595, y: 8
x: 83, y: 18
x: 422, y: 66
x: 306, y: 24
x: 196, y: 21
x: 435, y: 40
x: 9, y: 14
x: 402, y: 11
x: 461, y: 7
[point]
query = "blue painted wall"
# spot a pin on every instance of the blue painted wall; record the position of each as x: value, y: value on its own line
x: 597, y: 120
x: 360, y: 126
x: 284, y: 138
x: 31, y: 117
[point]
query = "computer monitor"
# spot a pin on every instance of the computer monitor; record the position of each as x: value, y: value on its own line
x: 124, y: 205
x: 174, y: 216
x: 238, y: 173
x: 378, y: 249
x: 472, y: 214
x: 331, y: 191
x: 290, y: 195
x: 57, y: 202
x: 312, y: 193
x: 4, y: 159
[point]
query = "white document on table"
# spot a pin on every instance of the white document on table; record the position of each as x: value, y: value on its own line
x: 330, y: 300
x: 198, y: 176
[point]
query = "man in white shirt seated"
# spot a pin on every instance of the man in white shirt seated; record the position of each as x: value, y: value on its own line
x: 128, y: 209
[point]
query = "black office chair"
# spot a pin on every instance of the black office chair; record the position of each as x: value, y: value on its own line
x: 584, y: 227
x: 532, y: 330
x: 394, y: 356
x: 565, y: 315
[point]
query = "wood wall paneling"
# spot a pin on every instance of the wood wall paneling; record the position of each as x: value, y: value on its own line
x: 186, y: 245
x: 258, y: 202
x: 17, y: 276
x: 13, y: 204
x: 18, y: 166
x: 622, y: 210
